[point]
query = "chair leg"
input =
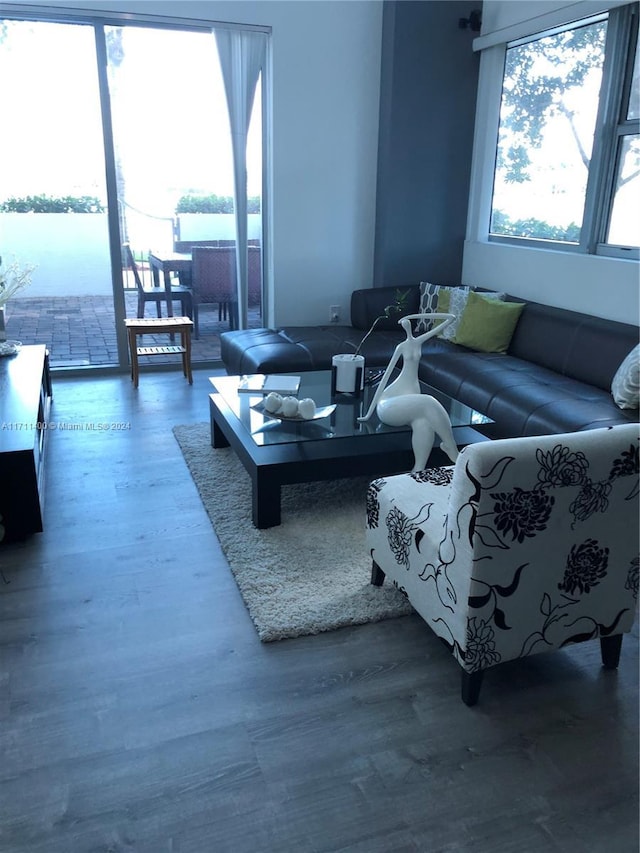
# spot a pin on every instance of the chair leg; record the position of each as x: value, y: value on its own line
x: 610, y: 651
x: 133, y: 352
x: 196, y: 323
x: 186, y: 355
x: 471, y: 684
x: 234, y: 315
x: 159, y: 309
x: 140, y: 307
x: 377, y: 575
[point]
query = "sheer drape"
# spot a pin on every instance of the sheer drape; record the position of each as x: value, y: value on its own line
x: 242, y: 54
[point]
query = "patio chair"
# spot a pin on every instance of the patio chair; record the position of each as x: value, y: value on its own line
x: 187, y: 245
x: 149, y: 293
x: 214, y: 282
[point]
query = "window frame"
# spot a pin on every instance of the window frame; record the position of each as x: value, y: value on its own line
x: 611, y: 127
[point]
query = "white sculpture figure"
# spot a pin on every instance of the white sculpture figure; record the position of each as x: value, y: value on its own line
x: 401, y: 403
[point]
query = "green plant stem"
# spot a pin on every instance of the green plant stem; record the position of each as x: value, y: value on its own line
x: 397, y: 307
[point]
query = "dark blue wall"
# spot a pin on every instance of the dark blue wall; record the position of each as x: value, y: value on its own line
x: 428, y: 90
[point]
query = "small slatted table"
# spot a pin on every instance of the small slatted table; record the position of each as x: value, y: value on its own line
x: 160, y: 326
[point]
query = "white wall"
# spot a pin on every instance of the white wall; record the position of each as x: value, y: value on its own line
x: 605, y: 287
x: 214, y: 226
x: 326, y: 79
x: 512, y: 19
x: 69, y: 250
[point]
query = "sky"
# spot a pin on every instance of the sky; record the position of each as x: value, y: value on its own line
x: 169, y: 113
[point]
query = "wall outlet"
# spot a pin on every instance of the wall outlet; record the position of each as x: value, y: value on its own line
x: 334, y: 313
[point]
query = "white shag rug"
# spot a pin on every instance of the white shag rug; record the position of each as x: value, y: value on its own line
x: 309, y: 574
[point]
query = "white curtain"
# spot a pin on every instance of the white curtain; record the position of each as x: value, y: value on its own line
x: 242, y: 54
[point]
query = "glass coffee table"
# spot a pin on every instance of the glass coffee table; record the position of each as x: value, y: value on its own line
x: 279, y: 452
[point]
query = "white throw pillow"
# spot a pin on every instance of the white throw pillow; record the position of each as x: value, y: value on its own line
x: 625, y: 386
x: 457, y: 303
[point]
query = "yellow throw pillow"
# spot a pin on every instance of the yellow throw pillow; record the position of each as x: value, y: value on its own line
x: 488, y: 325
x: 442, y: 305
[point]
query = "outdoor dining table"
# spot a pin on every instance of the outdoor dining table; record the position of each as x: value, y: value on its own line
x: 166, y: 263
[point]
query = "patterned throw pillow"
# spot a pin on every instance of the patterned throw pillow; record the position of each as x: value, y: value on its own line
x: 437, y: 297
x: 446, y: 300
x: 452, y: 300
x: 428, y: 304
x: 625, y: 386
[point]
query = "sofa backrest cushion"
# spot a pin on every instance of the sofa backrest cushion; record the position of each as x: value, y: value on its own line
x: 589, y: 349
x: 371, y: 302
x: 582, y: 347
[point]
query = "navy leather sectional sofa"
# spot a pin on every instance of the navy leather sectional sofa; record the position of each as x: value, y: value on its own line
x: 555, y: 377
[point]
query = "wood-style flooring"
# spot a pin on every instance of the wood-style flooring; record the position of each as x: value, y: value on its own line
x: 139, y: 711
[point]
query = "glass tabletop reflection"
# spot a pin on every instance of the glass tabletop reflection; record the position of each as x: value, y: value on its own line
x: 342, y: 422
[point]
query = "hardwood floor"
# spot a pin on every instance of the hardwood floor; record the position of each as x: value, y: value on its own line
x: 139, y: 711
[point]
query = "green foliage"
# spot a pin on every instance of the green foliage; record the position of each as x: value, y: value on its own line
x: 213, y: 204
x: 535, y: 229
x: 398, y: 306
x: 49, y: 204
x: 538, y: 77
x: 205, y: 204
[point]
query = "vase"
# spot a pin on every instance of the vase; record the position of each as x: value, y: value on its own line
x: 347, y: 374
x: 3, y: 330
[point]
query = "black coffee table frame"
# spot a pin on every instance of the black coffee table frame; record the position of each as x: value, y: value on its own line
x: 275, y: 465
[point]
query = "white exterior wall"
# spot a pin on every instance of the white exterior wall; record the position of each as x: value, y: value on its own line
x: 604, y: 287
x: 326, y: 81
x: 69, y: 250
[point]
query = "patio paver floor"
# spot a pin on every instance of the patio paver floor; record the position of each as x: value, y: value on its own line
x: 79, y: 330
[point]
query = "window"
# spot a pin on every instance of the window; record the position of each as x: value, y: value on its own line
x: 567, y: 168
x: 624, y: 217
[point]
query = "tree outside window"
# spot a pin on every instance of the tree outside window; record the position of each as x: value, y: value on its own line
x: 548, y: 115
x: 551, y: 118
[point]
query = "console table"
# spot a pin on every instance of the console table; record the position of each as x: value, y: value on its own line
x: 25, y: 404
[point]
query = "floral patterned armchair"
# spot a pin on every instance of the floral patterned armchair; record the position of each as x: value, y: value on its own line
x: 523, y: 546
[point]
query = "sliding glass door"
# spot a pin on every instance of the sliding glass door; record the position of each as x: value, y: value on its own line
x: 157, y: 124
x: 53, y: 200
x: 174, y: 172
